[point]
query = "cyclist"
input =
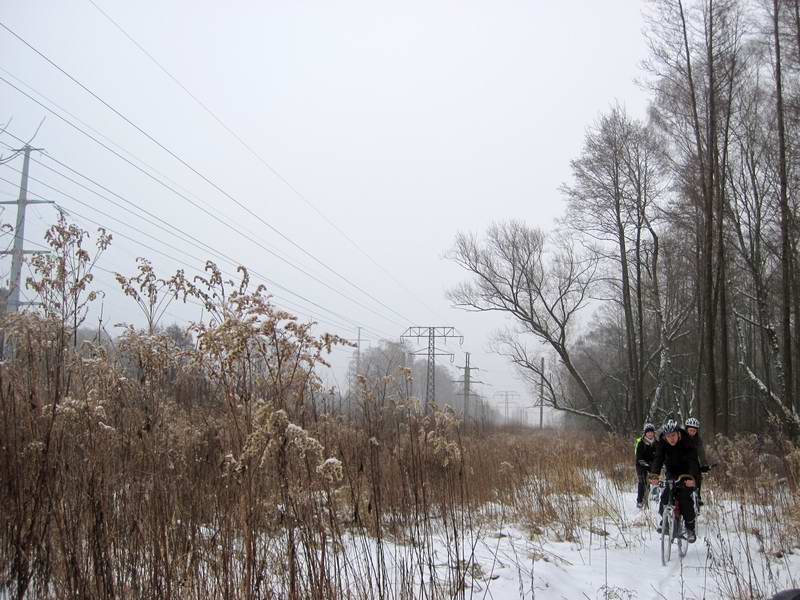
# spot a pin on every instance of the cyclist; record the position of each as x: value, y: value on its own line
x: 678, y: 455
x: 645, y: 453
x: 693, y: 430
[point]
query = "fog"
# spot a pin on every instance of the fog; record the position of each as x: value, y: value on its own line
x: 376, y: 132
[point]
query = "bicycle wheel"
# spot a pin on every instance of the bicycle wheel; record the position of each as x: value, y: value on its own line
x: 666, y: 535
x: 680, y: 536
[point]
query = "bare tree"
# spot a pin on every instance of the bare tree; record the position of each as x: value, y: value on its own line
x: 786, y: 245
x: 615, y: 182
x: 671, y: 310
x: 542, y: 289
x: 598, y: 207
x: 695, y: 58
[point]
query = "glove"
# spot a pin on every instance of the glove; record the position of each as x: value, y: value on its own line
x: 705, y: 469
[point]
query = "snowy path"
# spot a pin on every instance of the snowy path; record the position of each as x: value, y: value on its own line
x: 626, y: 564
x: 569, y: 570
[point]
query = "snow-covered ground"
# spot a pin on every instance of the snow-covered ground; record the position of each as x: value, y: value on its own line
x: 617, y: 557
x: 740, y: 554
x: 622, y: 565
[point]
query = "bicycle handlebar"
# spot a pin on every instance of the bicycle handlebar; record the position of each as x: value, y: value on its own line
x: 678, y: 481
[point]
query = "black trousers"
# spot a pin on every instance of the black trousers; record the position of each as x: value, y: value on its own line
x: 684, y: 497
x: 644, y: 483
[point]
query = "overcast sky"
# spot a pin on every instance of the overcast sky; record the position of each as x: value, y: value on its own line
x: 403, y: 123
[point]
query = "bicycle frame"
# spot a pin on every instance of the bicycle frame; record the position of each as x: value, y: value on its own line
x: 675, y: 501
x: 672, y: 525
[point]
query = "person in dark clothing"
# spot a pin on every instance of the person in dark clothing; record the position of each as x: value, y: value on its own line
x: 678, y: 456
x: 645, y: 453
x: 693, y: 430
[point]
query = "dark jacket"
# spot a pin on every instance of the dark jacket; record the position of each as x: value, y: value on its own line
x: 645, y: 453
x: 700, y: 446
x: 677, y: 460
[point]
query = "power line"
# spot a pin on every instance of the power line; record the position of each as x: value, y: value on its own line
x: 100, y: 134
x: 197, y: 172
x: 114, y: 273
x: 111, y: 142
x: 86, y: 204
x: 192, y: 202
x: 214, y: 252
x: 157, y: 221
x: 195, y: 258
x: 176, y: 260
x: 255, y: 154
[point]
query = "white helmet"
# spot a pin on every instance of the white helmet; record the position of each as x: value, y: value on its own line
x: 670, y: 426
x: 692, y: 422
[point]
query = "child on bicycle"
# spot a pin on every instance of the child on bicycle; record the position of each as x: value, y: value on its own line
x: 678, y: 455
x: 645, y: 453
x: 693, y: 430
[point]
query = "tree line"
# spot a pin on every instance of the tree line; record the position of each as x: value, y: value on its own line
x: 670, y: 285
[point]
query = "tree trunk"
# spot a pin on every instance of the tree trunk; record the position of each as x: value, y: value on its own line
x: 786, y: 247
x: 630, y: 333
x: 709, y: 311
x: 705, y: 403
x: 662, y: 377
x: 639, y: 302
x: 720, y: 172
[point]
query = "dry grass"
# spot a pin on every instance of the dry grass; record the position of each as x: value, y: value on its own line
x: 124, y: 481
x: 127, y: 482
x: 155, y: 471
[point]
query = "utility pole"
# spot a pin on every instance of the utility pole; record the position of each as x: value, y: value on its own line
x: 358, y: 353
x: 350, y: 384
x: 15, y: 283
x: 541, y: 396
x: 467, y: 383
x: 466, y: 388
x: 432, y: 333
x: 507, y: 396
x: 430, y: 381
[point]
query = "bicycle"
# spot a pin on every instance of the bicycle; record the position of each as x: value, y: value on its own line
x: 655, y: 494
x: 672, y: 525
